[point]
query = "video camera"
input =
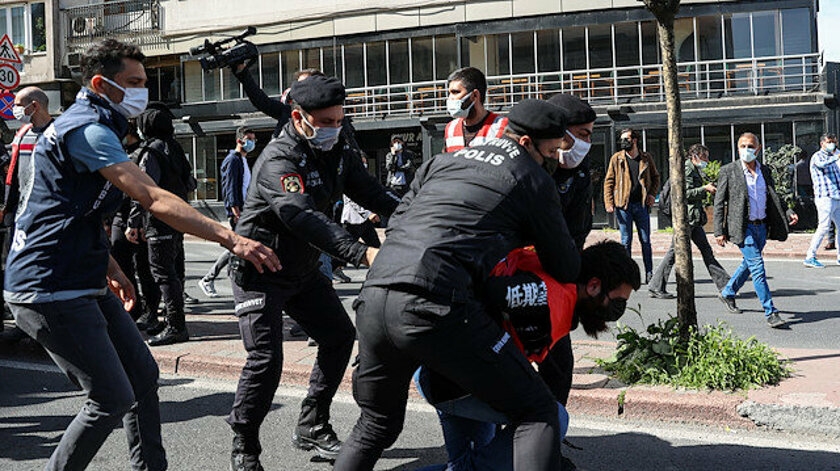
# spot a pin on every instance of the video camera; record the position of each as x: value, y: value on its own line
x: 218, y: 56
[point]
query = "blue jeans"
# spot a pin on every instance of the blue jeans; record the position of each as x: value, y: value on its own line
x: 640, y: 214
x: 752, y: 265
x: 473, y: 440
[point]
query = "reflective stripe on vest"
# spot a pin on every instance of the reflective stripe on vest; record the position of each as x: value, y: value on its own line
x: 21, y: 143
x: 493, y: 127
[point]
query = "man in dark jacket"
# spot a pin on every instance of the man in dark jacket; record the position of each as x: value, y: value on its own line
x: 400, y: 164
x: 163, y: 159
x: 695, y: 193
x: 748, y: 212
x: 464, y: 212
x: 236, y: 175
x: 296, y: 180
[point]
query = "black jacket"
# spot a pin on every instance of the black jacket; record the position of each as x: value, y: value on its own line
x: 464, y: 212
x: 575, y: 187
x: 293, y: 189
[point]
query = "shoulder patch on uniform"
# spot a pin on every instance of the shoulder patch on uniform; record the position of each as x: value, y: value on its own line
x: 292, y: 183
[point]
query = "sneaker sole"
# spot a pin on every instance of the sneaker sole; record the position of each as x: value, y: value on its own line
x: 307, y: 446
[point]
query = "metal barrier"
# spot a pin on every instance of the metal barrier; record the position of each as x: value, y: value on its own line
x: 616, y: 85
x: 135, y: 21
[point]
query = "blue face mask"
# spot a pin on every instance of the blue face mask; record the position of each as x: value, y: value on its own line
x: 747, y: 154
x: 248, y: 145
x: 323, y: 139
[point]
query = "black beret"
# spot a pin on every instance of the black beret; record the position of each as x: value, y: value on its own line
x: 577, y: 111
x: 317, y: 92
x: 538, y: 119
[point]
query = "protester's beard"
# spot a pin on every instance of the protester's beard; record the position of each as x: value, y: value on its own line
x: 590, y: 313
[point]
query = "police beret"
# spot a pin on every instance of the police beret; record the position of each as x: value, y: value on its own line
x: 317, y: 92
x: 538, y: 119
x: 576, y: 110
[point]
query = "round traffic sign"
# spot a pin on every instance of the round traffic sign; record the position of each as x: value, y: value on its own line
x: 9, y: 76
x: 7, y: 101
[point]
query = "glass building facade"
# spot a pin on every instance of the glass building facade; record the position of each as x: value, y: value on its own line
x: 736, y: 60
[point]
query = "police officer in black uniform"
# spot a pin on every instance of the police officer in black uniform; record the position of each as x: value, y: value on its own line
x: 420, y: 304
x: 295, y: 182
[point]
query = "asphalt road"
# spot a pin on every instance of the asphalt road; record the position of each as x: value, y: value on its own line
x: 808, y: 298
x: 37, y: 404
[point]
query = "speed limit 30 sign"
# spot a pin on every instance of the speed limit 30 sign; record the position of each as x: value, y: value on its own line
x: 9, y: 76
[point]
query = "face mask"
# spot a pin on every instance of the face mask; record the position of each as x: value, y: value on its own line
x: 701, y: 164
x: 20, y: 113
x: 613, y: 311
x: 747, y: 154
x: 573, y: 157
x: 829, y: 147
x: 625, y: 144
x: 322, y: 139
x: 549, y: 163
x: 134, y: 100
x: 455, y: 106
x: 248, y: 145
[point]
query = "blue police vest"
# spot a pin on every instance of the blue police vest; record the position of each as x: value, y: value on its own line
x: 60, y: 249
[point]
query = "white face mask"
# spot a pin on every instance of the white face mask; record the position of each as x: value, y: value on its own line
x: 134, y: 99
x: 701, y: 164
x: 20, y: 113
x: 573, y: 157
x: 747, y: 154
x: 322, y: 139
x: 455, y: 106
x: 397, y: 147
x: 829, y: 146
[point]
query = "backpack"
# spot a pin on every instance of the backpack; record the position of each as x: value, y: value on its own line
x: 665, y: 199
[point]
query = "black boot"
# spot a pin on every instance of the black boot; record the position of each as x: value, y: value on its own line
x: 314, y: 431
x: 245, y: 454
x: 149, y: 322
x: 170, y: 335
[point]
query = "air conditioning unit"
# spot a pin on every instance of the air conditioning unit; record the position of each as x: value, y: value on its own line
x: 83, y: 26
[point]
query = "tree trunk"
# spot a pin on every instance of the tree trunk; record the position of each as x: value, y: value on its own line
x: 665, y: 11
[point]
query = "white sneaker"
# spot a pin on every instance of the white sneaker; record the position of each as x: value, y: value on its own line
x: 208, y: 288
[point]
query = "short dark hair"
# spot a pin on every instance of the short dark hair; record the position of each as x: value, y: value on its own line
x: 241, y: 131
x: 609, y: 262
x: 633, y: 133
x: 828, y: 136
x: 310, y: 72
x: 697, y: 150
x: 471, y: 78
x: 105, y: 58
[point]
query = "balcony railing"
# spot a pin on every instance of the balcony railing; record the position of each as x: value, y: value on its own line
x: 134, y: 21
x: 617, y: 85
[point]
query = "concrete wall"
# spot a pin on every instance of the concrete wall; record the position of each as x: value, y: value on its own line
x: 40, y: 67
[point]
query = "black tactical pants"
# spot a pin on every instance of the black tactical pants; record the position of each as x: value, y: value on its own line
x: 133, y: 259
x: 166, y: 261
x: 399, y: 331
x: 313, y: 303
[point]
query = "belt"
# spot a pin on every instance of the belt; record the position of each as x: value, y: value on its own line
x: 756, y: 222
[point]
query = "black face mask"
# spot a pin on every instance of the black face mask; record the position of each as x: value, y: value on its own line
x: 613, y: 311
x: 625, y: 144
x: 550, y: 165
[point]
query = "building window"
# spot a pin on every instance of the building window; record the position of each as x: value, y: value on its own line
x: 398, y: 61
x: 523, y: 52
x: 600, y: 47
x: 270, y: 69
x: 354, y: 58
x: 332, y: 61
x: 38, y: 25
x: 719, y: 141
x: 650, y: 43
x: 377, y: 72
x: 231, y: 85
x: 796, y: 25
x: 548, y: 50
x: 777, y: 134
x: 498, y: 55
x: 312, y: 59
x: 472, y: 52
x: 213, y: 85
x: 164, y: 84
x: 421, y: 59
x: 737, y: 34
x: 289, y: 64
x: 193, y: 78
x: 574, y: 48
x: 767, y: 33
x: 446, y: 56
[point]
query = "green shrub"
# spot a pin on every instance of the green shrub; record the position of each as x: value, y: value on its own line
x: 715, y: 358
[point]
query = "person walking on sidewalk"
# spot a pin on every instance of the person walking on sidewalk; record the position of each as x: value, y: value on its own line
x: 236, y: 176
x: 59, y: 271
x: 748, y: 212
x: 400, y: 164
x: 695, y: 193
x: 825, y: 175
x: 630, y: 188
x: 295, y: 184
